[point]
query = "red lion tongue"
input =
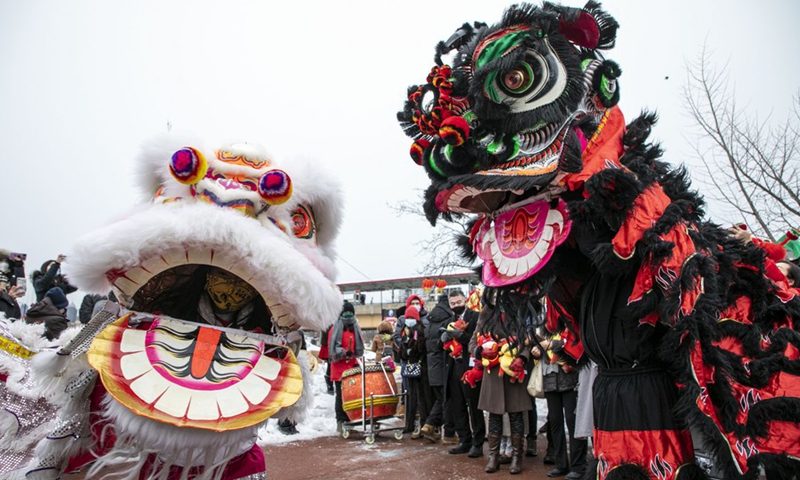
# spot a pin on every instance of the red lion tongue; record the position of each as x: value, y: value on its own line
x: 518, y: 243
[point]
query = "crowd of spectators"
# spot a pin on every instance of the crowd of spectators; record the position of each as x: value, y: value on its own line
x: 450, y: 399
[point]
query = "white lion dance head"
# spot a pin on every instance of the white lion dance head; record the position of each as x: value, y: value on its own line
x: 230, y: 256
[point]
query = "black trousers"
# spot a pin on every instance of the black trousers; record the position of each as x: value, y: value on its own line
x: 340, y: 415
x: 417, y: 402
x: 436, y: 415
x: 533, y: 419
x: 328, y: 380
x: 560, y: 407
x: 463, y: 405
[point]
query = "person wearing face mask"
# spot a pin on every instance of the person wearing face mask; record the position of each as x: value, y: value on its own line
x: 413, y: 301
x: 8, y: 298
x: 437, y: 374
x: 411, y: 350
x: 345, y: 346
x: 462, y: 400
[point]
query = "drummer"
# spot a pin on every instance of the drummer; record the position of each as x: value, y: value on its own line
x: 345, y: 346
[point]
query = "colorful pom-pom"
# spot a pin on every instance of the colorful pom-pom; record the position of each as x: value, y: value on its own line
x: 454, y: 130
x: 418, y: 150
x: 188, y: 166
x: 275, y: 187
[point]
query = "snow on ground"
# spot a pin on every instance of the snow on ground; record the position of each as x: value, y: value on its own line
x: 321, y: 421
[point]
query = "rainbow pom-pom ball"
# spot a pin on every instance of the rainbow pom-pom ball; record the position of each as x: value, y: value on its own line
x: 275, y: 187
x: 188, y: 165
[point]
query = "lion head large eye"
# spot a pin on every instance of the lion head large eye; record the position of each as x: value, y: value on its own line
x: 537, y: 80
x: 303, y: 225
x: 518, y: 80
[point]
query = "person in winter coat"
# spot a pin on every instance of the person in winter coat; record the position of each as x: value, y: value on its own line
x: 324, y: 355
x: 437, y: 370
x: 413, y: 301
x: 50, y: 311
x: 345, y: 346
x: 411, y: 351
x: 502, y: 391
x: 382, y: 341
x: 49, y: 276
x: 8, y: 298
x: 561, y: 393
x: 462, y: 399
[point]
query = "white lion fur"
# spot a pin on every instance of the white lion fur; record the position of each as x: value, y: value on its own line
x: 279, y: 269
x: 45, y: 385
x: 136, y: 437
x: 312, y: 182
x: 42, y: 364
x: 300, y: 409
x: 297, y: 273
x: 292, y: 271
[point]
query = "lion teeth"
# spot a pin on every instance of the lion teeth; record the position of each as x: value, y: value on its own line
x: 126, y: 286
x: 138, y: 275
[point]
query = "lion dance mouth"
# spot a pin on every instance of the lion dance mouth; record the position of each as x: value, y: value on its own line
x: 226, y: 259
x: 214, y: 277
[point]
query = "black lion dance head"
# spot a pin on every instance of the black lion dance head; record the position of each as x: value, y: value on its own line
x: 500, y: 131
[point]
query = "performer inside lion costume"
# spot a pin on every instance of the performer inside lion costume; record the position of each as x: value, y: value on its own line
x: 521, y: 131
x: 214, y: 277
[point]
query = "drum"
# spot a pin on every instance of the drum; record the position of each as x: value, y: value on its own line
x: 376, y: 382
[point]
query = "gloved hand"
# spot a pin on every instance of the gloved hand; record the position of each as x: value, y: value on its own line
x: 446, y: 335
x: 518, y: 367
x: 472, y: 376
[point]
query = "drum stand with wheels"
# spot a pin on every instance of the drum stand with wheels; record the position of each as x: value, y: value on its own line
x: 369, y: 425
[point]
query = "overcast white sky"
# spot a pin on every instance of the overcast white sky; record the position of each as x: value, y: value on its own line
x: 83, y: 83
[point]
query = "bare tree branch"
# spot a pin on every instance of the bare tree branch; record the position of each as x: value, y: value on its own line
x: 439, y: 248
x: 749, y: 164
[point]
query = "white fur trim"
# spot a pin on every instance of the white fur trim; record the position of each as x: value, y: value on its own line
x: 301, y: 407
x: 137, y: 437
x: 265, y: 257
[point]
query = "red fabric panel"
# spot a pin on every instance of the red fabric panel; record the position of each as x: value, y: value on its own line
x: 660, y: 452
x: 603, y: 150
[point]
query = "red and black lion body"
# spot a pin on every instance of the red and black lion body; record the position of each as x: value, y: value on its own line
x: 689, y: 330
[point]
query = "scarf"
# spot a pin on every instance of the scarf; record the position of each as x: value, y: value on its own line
x: 346, y: 321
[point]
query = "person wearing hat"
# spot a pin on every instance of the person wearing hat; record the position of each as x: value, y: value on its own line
x: 50, y: 311
x: 345, y: 346
x: 412, y: 353
x: 8, y: 298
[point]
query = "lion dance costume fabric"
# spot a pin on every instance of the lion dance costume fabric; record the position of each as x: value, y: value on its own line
x: 215, y: 276
x: 695, y: 342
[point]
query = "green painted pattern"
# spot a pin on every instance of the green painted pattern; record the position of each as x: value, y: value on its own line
x: 495, y: 50
x: 495, y: 145
x: 604, y: 88
x: 433, y: 164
